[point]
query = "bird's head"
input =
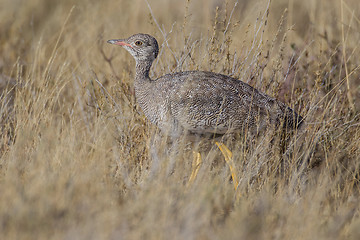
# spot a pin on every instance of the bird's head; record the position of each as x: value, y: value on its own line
x: 142, y: 47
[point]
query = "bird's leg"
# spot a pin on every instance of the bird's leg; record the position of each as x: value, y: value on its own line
x: 195, y: 167
x: 228, y: 158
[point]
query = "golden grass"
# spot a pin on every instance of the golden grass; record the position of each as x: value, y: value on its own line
x: 80, y: 161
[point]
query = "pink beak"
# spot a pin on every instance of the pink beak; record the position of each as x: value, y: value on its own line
x: 119, y: 42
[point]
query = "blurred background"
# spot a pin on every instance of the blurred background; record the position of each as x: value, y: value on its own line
x: 24, y: 23
x: 78, y: 159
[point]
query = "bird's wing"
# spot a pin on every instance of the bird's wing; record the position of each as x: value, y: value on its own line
x: 203, y: 102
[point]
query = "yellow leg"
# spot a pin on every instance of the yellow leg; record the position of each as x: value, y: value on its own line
x: 228, y: 158
x: 195, y: 167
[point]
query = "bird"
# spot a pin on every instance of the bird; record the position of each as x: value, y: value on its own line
x: 201, y: 103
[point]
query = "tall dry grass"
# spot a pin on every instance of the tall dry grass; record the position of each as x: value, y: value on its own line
x: 80, y: 161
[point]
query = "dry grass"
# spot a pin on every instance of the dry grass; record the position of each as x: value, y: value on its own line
x: 80, y: 161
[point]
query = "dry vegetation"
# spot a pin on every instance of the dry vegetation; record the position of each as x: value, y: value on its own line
x: 78, y: 159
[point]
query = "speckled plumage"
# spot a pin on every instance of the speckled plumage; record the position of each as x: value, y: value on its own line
x: 204, y: 103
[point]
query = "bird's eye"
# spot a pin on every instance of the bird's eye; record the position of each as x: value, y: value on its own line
x: 138, y: 43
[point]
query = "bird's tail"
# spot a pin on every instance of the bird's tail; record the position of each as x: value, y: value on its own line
x: 292, y: 120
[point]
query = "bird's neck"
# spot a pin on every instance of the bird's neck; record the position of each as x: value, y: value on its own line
x: 145, y: 90
x: 142, y: 70
x: 143, y: 83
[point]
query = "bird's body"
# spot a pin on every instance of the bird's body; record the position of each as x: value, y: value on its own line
x: 201, y: 103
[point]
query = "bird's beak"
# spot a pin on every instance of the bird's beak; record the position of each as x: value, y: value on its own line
x: 120, y: 42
